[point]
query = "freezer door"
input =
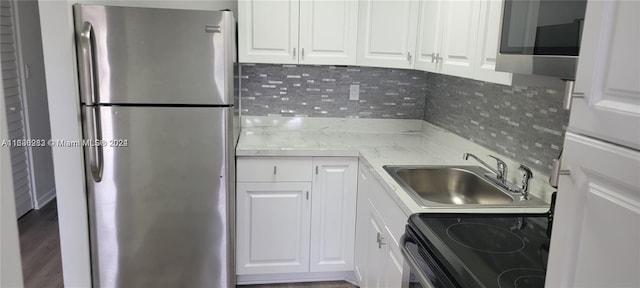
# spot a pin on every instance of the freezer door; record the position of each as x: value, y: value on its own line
x: 155, y: 56
x: 161, y: 214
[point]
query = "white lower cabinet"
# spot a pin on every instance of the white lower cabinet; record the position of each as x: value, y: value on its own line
x: 297, y: 225
x: 333, y: 214
x: 379, y: 263
x: 273, y: 227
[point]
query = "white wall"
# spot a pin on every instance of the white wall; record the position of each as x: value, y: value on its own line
x: 60, y: 68
x: 10, y: 263
x: 35, y: 92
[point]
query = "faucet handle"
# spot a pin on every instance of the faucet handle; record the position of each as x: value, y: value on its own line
x: 527, y: 172
x: 502, y: 168
x: 526, y: 177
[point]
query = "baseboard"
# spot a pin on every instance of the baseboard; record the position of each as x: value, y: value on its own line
x: 295, y: 277
x: 45, y: 198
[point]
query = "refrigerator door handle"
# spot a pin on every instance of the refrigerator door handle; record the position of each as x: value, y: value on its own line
x: 87, y: 78
x: 93, y: 143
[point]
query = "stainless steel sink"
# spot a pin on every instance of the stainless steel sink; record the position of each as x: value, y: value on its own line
x: 454, y: 185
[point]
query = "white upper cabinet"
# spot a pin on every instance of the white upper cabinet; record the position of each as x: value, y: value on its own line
x: 268, y: 31
x: 607, y: 74
x: 487, y: 45
x: 459, y: 37
x: 298, y: 31
x: 429, y: 36
x: 387, y: 33
x: 328, y: 32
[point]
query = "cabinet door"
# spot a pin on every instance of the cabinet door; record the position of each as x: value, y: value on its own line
x: 429, y: 35
x: 459, y: 37
x: 608, y: 74
x: 268, y: 31
x: 328, y: 32
x: 387, y: 33
x: 374, y: 273
x: 273, y: 227
x: 332, y: 214
x: 596, y: 227
x: 392, y: 263
x: 362, y: 220
x: 488, y: 40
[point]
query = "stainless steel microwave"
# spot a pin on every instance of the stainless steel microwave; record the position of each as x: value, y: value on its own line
x: 541, y: 37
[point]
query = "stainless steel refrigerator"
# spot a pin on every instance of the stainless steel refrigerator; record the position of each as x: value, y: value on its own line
x: 157, y: 88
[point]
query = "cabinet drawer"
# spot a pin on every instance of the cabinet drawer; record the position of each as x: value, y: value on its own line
x: 266, y: 169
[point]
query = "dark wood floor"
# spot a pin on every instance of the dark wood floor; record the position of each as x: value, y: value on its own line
x: 333, y: 284
x: 40, y: 248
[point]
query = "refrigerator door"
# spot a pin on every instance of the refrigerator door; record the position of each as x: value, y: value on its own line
x: 161, y: 212
x: 155, y: 56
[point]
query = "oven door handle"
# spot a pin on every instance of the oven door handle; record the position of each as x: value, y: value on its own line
x: 424, y: 280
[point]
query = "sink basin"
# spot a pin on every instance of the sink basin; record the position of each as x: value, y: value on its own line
x: 452, y: 185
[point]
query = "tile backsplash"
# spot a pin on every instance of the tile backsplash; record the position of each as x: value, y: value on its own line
x: 526, y: 123
x: 323, y: 91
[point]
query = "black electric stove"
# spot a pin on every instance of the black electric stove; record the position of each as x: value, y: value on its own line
x: 479, y: 250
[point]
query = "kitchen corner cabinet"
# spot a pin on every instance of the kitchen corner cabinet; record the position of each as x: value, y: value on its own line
x: 380, y: 223
x: 298, y: 31
x: 460, y: 38
x: 295, y: 214
x: 387, y: 33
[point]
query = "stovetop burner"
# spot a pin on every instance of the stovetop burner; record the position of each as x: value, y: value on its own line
x: 486, y: 250
x: 521, y: 278
x: 485, y: 237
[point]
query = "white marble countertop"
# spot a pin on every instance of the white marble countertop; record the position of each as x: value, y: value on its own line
x: 377, y: 142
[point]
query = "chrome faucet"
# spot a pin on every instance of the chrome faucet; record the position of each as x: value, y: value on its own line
x: 501, y: 172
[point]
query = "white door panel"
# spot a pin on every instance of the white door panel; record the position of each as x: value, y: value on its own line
x: 268, y: 31
x: 386, y: 33
x: 609, y: 74
x: 459, y: 37
x: 487, y: 46
x: 429, y: 35
x: 596, y: 229
x: 328, y: 32
x: 333, y: 216
x: 273, y: 227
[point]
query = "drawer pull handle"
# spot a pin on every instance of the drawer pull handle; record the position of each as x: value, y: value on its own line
x: 275, y: 169
x: 307, y: 195
x: 316, y: 170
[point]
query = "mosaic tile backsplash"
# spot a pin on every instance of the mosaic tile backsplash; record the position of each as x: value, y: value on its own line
x: 323, y: 91
x: 525, y: 123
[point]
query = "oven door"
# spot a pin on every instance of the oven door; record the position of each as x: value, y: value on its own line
x: 425, y: 270
x: 541, y: 37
